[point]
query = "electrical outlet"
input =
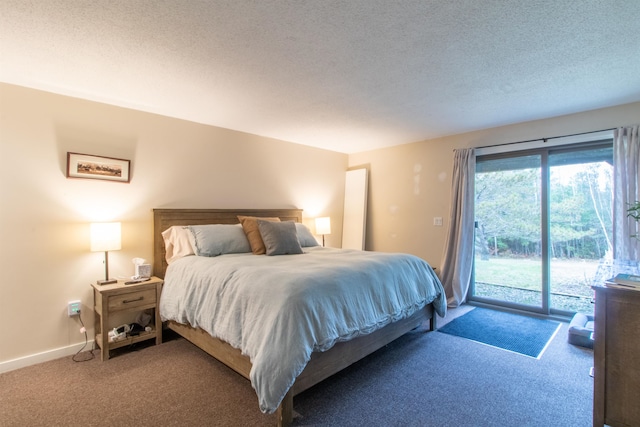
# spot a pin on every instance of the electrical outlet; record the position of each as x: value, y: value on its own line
x: 73, y: 308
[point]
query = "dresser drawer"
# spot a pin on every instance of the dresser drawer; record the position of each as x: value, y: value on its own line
x: 132, y: 300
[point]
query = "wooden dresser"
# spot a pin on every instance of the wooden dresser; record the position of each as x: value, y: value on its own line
x: 616, y: 394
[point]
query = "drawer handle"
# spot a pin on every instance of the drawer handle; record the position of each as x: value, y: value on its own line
x: 127, y: 301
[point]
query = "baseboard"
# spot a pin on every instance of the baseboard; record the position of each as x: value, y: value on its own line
x: 45, y: 356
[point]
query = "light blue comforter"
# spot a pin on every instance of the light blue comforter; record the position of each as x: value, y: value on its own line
x: 279, y: 309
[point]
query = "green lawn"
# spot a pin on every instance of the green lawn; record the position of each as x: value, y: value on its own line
x: 519, y: 279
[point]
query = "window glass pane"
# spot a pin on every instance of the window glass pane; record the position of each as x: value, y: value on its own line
x: 508, y: 234
x: 580, y: 223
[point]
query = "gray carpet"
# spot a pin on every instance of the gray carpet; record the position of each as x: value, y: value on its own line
x: 440, y: 380
x: 422, y: 379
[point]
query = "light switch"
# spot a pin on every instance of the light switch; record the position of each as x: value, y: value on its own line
x: 437, y: 221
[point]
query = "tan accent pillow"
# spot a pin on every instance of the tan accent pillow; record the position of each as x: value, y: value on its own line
x: 250, y: 227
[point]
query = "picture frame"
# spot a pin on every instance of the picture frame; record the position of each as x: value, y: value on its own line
x: 87, y: 166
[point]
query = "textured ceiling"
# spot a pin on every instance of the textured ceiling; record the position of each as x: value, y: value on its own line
x: 348, y: 76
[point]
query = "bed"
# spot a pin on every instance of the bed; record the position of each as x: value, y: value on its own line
x: 313, y: 361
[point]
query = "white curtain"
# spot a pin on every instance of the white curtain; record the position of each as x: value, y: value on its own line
x: 457, y: 260
x: 626, y: 189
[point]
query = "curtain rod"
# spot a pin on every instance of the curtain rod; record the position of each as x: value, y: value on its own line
x: 546, y: 139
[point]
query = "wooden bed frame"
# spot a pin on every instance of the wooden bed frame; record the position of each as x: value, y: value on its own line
x: 322, y: 365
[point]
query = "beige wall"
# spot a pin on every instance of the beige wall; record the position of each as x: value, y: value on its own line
x: 45, y: 259
x: 44, y: 217
x: 410, y: 184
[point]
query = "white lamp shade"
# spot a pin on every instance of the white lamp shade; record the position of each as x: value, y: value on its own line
x: 105, y: 236
x: 323, y: 225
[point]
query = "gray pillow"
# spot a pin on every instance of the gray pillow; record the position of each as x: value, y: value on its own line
x: 305, y: 237
x: 280, y: 238
x: 219, y: 239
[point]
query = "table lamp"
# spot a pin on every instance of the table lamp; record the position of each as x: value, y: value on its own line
x: 323, y: 226
x: 106, y: 236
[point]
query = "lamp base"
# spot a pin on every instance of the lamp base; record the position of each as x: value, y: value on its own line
x: 107, y: 282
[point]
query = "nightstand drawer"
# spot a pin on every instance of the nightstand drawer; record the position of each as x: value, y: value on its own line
x: 132, y: 300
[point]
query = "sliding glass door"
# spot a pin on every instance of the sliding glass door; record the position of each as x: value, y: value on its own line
x: 580, y: 224
x: 543, y: 227
x: 508, y: 261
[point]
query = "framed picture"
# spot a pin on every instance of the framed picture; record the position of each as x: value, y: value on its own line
x: 97, y: 167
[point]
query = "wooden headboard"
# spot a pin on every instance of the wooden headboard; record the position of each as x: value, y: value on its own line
x: 165, y: 218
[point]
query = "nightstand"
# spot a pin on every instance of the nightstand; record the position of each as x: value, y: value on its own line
x: 116, y: 298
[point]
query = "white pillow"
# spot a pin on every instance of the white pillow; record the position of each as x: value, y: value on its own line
x: 177, y: 243
x: 219, y: 239
x: 305, y: 237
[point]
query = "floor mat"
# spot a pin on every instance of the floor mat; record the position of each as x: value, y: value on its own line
x: 514, y: 332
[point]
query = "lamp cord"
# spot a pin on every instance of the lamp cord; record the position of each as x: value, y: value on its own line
x: 84, y: 329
